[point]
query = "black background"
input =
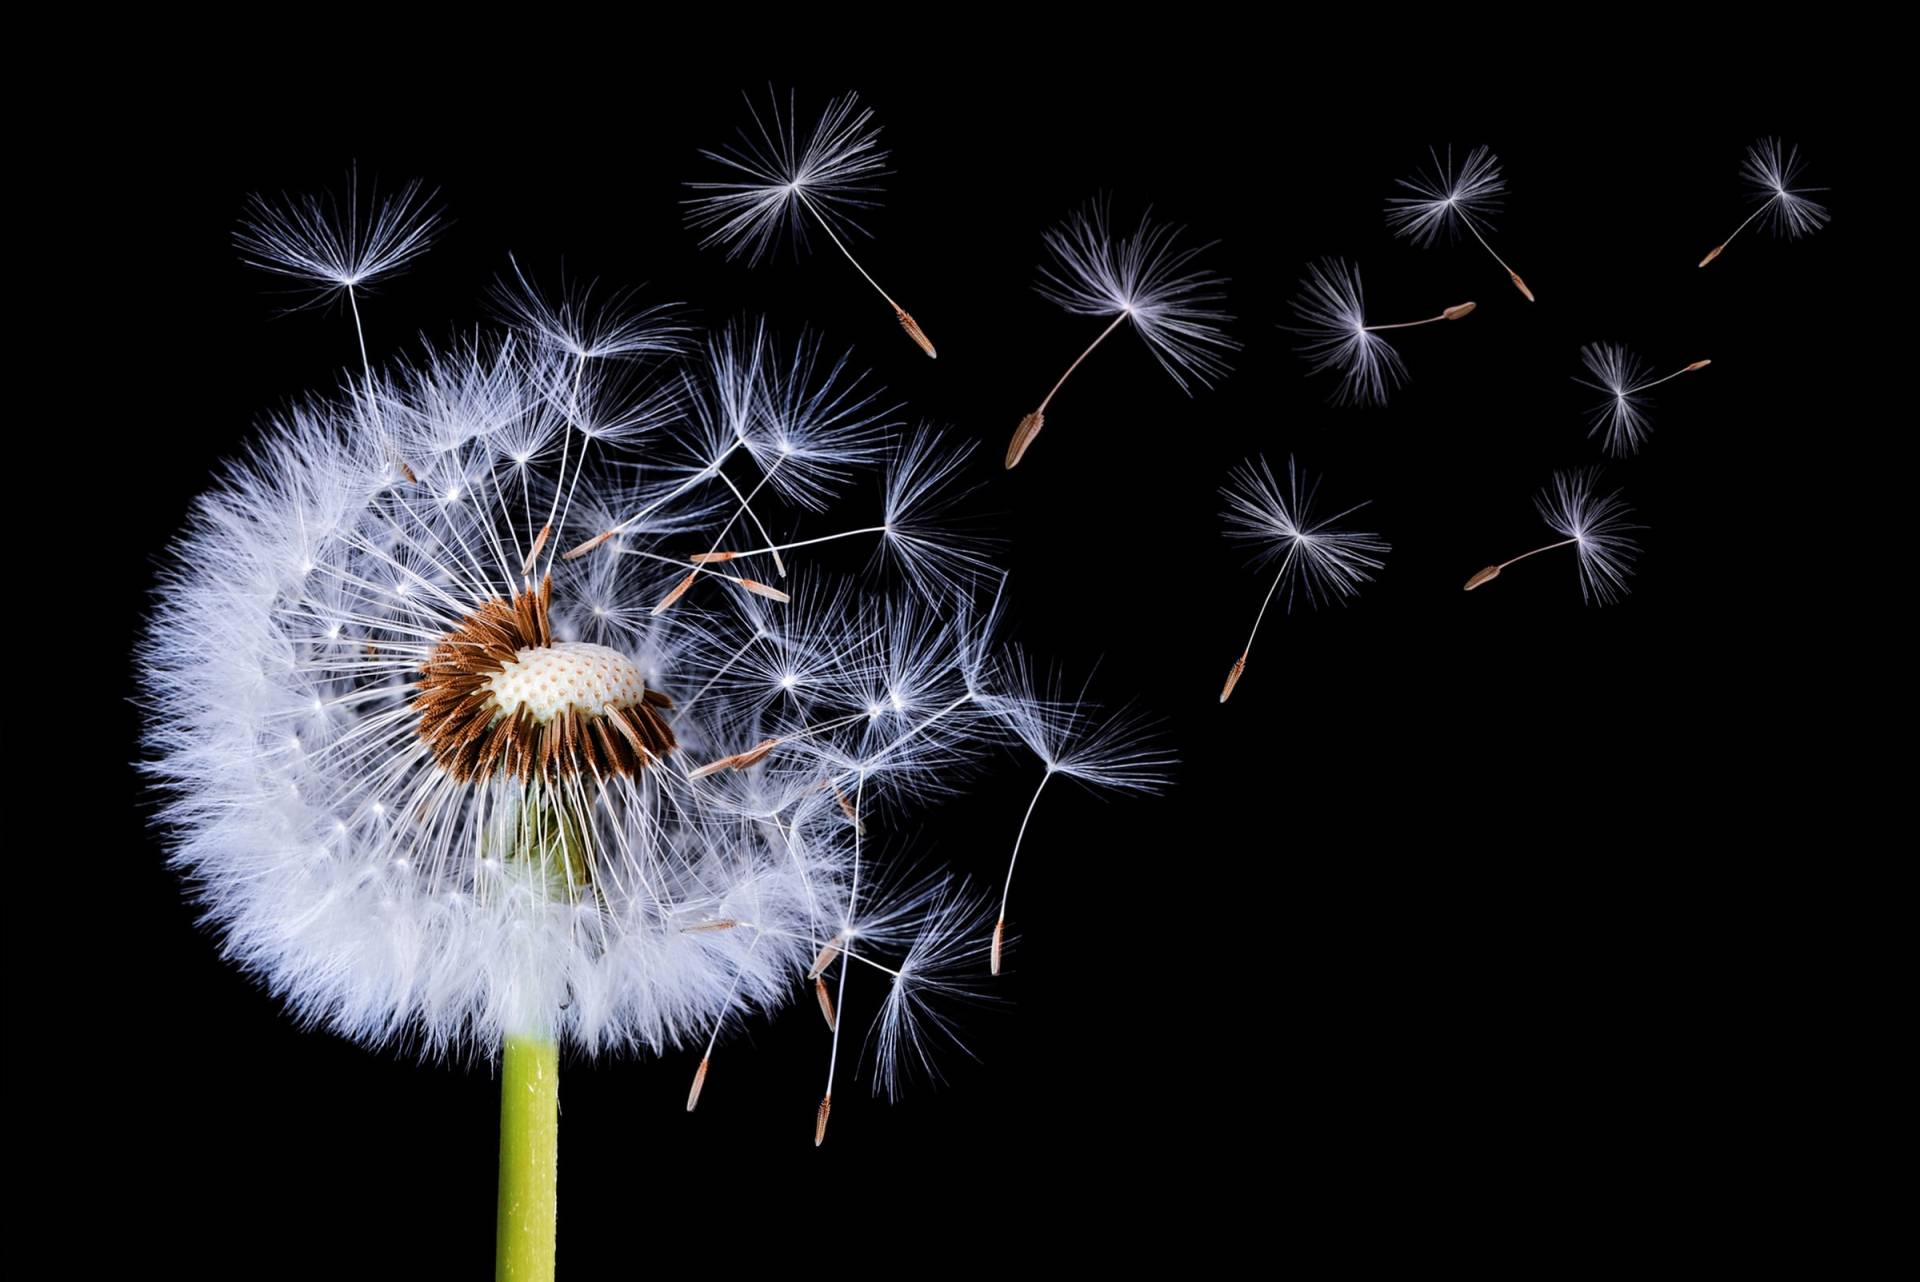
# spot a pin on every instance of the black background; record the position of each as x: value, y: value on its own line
x: 1406, y: 939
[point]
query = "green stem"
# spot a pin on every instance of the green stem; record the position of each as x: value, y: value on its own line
x: 529, y: 1156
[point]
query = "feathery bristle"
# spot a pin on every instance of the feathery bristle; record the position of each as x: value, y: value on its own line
x: 1233, y: 678
x: 1487, y: 575
x: 1023, y: 437
x: 699, y: 1082
x: 914, y: 332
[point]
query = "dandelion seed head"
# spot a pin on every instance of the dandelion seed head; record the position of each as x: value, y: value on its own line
x: 433, y: 779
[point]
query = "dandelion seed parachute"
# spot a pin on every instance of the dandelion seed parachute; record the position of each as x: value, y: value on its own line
x: 1320, y: 560
x: 1116, y: 752
x: 1147, y: 278
x: 778, y: 184
x: 1772, y: 172
x: 1331, y: 318
x: 1621, y: 419
x: 1599, y: 527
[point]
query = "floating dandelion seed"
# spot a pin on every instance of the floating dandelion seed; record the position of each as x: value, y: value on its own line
x: 1446, y: 199
x: 1621, y: 420
x: 1332, y: 319
x: 833, y: 173
x: 1115, y: 752
x: 1318, y: 560
x: 443, y: 786
x: 1144, y: 277
x: 1772, y: 172
x: 1596, y: 526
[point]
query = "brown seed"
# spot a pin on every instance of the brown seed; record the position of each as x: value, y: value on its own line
x: 708, y: 558
x: 755, y: 754
x: 526, y: 567
x: 999, y: 937
x: 584, y: 548
x: 1715, y: 253
x: 1696, y: 365
x: 679, y: 590
x: 917, y: 334
x: 1487, y: 575
x: 1233, y: 677
x: 828, y: 951
x: 725, y: 923
x: 711, y: 768
x: 826, y: 998
x: 820, y: 1123
x: 1458, y: 310
x: 1023, y: 437
x: 699, y: 1080
x: 761, y: 589
x: 1521, y: 285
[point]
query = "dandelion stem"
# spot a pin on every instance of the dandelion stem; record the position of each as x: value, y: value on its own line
x: 906, y: 321
x: 366, y: 366
x: 999, y: 927
x: 1548, y: 548
x: 1408, y: 324
x: 1273, y: 587
x: 1716, y: 251
x: 1668, y: 379
x: 1519, y: 284
x: 529, y: 1154
x: 1082, y: 356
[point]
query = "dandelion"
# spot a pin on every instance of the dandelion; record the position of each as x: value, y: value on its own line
x: 1621, y: 419
x: 1319, y: 560
x: 777, y: 178
x: 1114, y: 752
x: 1596, y: 526
x: 443, y: 779
x: 1332, y: 318
x: 1771, y: 172
x: 1445, y: 199
x: 1146, y: 277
